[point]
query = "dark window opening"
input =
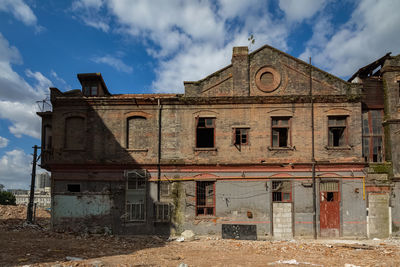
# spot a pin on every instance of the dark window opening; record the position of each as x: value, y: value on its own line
x: 280, y: 132
x: 337, y: 131
x: 241, y: 136
x: 74, y: 187
x: 205, y: 199
x: 281, y: 191
x: 90, y: 90
x: 205, y: 133
x: 330, y: 196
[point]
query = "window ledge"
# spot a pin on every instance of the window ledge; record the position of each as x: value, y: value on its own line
x: 138, y: 150
x: 338, y: 148
x: 205, y: 149
x: 270, y: 148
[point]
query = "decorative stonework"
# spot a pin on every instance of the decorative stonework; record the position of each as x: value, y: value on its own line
x: 267, y: 79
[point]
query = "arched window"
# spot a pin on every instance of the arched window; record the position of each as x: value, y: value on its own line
x: 74, y: 133
x: 137, y: 133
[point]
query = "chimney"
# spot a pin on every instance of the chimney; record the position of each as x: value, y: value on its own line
x: 240, y: 66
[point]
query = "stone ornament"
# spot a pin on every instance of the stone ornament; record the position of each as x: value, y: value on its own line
x: 267, y: 79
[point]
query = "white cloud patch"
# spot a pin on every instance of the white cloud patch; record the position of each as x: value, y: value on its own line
x: 21, y: 11
x: 88, y: 12
x: 369, y: 34
x: 17, y: 97
x: 114, y: 62
x: 189, y: 39
x: 15, y: 166
x: 3, y: 142
x: 296, y: 10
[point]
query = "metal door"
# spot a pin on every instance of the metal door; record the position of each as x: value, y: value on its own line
x: 329, y: 209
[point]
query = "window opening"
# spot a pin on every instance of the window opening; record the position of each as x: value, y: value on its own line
x: 373, y: 136
x: 136, y: 136
x: 280, y: 131
x: 337, y: 131
x: 162, y: 212
x: 136, y: 195
x: 74, y: 187
x: 241, y: 136
x: 205, y: 133
x: 205, y: 199
x: 136, y: 180
x: 281, y: 191
x: 165, y: 188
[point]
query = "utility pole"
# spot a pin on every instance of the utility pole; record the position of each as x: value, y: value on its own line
x: 313, y: 158
x: 32, y: 195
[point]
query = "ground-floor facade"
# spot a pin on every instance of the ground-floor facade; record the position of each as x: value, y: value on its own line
x: 235, y: 201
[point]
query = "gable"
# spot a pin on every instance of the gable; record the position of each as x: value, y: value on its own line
x: 268, y: 72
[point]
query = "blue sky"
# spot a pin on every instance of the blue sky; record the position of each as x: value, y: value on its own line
x: 153, y: 46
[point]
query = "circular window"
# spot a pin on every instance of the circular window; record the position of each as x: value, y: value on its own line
x: 267, y: 79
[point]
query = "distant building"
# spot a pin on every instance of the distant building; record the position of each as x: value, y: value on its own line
x: 42, y: 192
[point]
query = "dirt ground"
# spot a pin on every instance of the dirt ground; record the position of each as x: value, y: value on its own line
x: 27, y: 245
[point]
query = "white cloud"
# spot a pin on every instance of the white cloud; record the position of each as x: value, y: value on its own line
x: 17, y: 97
x: 369, y: 34
x: 15, y: 166
x: 114, y: 62
x: 296, y: 10
x: 3, y: 142
x: 88, y: 12
x: 20, y: 11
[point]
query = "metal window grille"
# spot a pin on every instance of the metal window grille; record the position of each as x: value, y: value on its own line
x: 135, y: 211
x: 205, y: 198
x: 137, y: 180
x: 162, y: 212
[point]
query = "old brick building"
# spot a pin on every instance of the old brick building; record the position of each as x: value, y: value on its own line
x: 237, y: 148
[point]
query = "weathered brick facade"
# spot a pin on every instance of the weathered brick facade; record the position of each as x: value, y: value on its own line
x: 217, y: 154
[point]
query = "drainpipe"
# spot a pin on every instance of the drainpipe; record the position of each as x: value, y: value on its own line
x: 159, y: 151
x: 313, y: 158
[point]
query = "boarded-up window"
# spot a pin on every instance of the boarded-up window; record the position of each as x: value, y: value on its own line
x: 137, y: 133
x: 75, y: 133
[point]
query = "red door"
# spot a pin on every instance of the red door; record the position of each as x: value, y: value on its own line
x: 329, y: 209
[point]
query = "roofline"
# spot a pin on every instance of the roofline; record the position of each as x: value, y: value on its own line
x: 94, y: 74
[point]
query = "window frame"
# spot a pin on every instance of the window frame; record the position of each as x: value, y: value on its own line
x: 213, y: 126
x: 246, y: 131
x: 279, y: 126
x: 371, y: 136
x: 205, y: 207
x: 127, y: 137
x: 282, y: 193
x: 88, y: 89
x: 345, y: 131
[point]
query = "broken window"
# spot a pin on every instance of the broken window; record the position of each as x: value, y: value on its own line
x: 241, y: 136
x: 137, y: 133
x: 162, y: 212
x: 90, y: 90
x: 205, y: 133
x: 337, y: 132
x: 280, y: 131
x: 281, y: 191
x: 73, y: 187
x: 74, y: 133
x: 205, y: 198
x: 372, y: 135
x: 136, y: 195
x: 329, y: 191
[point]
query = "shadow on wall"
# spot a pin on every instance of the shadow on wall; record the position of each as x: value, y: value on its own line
x: 99, y: 168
